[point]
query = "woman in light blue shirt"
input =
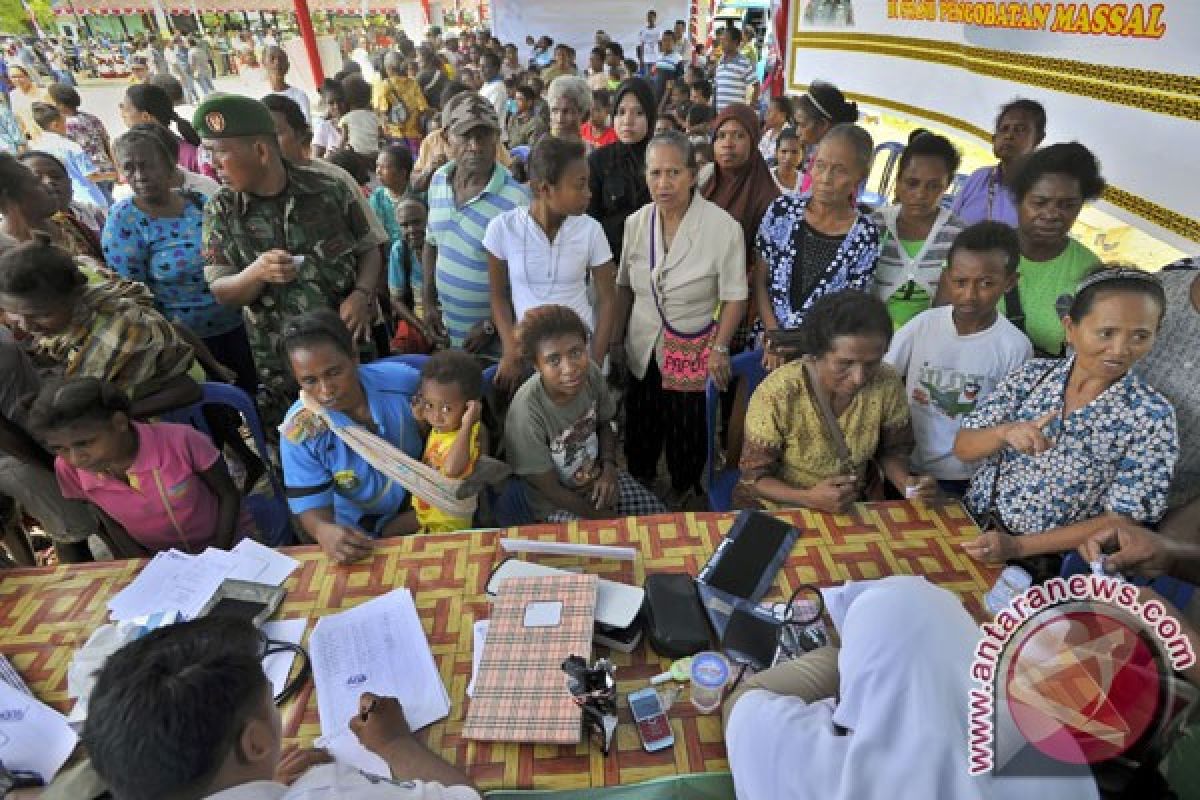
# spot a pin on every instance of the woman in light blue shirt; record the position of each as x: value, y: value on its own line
x: 340, y: 499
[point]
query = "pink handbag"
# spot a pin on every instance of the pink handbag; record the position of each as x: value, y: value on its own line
x: 685, y: 355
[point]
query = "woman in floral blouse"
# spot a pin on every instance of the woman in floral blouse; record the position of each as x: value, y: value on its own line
x: 809, y: 247
x: 1072, y: 446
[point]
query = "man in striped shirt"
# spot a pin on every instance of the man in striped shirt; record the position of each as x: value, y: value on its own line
x: 735, y: 74
x: 464, y: 196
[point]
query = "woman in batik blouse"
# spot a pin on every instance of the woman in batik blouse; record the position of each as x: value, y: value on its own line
x: 1071, y: 446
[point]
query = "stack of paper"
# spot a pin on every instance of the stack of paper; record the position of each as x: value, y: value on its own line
x: 172, y: 581
x: 33, y: 736
x: 176, y: 581
x: 377, y: 647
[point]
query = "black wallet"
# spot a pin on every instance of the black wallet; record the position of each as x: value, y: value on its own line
x: 676, y: 625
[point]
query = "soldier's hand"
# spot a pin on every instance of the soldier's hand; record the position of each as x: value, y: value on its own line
x: 275, y: 266
x: 356, y: 312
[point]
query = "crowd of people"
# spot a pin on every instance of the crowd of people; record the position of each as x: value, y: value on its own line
x: 578, y: 253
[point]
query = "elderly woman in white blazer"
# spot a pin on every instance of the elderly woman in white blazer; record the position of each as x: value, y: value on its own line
x: 681, y: 292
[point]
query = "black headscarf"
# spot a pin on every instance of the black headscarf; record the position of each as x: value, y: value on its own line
x: 618, y: 170
x: 645, y: 96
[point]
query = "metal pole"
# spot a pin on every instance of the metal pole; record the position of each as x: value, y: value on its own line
x: 304, y: 21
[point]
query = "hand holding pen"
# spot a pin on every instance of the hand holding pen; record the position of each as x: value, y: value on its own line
x: 380, y: 722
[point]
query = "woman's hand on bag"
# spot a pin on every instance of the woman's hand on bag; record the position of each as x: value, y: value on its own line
x: 993, y: 547
x: 720, y: 368
x: 1027, y: 436
x: 833, y: 495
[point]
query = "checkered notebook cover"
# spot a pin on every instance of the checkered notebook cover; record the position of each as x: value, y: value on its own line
x: 521, y: 691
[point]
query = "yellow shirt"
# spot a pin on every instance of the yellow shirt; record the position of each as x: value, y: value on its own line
x: 400, y: 104
x: 437, y: 447
x: 785, y: 436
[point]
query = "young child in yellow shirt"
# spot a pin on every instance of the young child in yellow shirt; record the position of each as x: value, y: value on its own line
x: 450, y: 404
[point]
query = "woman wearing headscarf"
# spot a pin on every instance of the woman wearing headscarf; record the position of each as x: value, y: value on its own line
x: 739, y: 180
x: 617, y: 172
x: 889, y: 709
x: 21, y: 97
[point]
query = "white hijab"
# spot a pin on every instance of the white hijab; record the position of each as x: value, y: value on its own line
x: 904, y: 681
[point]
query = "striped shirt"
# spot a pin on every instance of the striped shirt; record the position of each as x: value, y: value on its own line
x: 461, y: 272
x: 897, y: 268
x: 734, y: 76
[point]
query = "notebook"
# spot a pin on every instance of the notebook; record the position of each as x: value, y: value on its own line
x: 521, y: 691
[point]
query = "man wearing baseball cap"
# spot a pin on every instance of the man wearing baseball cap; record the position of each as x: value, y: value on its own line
x: 280, y: 240
x: 464, y: 196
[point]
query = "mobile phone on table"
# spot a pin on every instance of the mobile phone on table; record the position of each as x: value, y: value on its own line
x: 651, y: 719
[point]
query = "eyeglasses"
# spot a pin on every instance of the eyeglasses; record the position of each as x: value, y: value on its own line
x: 271, y: 647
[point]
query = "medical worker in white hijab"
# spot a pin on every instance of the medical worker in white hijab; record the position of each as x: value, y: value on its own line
x: 898, y: 726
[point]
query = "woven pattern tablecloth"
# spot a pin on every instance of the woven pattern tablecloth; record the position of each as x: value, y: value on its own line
x: 47, y: 614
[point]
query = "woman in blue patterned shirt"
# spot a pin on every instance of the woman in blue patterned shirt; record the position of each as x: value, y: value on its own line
x: 1071, y: 446
x: 154, y: 237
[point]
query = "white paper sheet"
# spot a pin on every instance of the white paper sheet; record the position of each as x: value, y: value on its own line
x: 33, y: 736
x: 568, y: 549
x: 378, y: 647
x: 172, y: 581
x: 279, y: 665
x: 478, y: 637
x: 260, y: 564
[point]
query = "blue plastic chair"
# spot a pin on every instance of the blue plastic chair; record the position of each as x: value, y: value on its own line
x: 720, y: 483
x: 891, y: 152
x: 270, y: 512
x: 414, y: 360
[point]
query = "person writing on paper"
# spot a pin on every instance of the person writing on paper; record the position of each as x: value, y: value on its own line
x: 791, y: 457
x: 205, y: 677
x: 165, y: 485
x: 888, y: 709
x: 1076, y: 445
x: 341, y: 500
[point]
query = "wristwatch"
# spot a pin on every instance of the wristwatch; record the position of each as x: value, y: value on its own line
x: 720, y: 348
x: 489, y: 328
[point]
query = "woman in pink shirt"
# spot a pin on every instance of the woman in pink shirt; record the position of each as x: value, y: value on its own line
x: 165, y: 484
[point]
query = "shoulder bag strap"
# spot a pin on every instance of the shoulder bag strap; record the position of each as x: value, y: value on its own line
x: 420, y: 479
x: 1013, y: 308
x: 832, y: 429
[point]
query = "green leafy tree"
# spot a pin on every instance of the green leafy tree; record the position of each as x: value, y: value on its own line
x: 15, y: 19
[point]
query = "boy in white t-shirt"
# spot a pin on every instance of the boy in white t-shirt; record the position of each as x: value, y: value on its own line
x: 953, y: 356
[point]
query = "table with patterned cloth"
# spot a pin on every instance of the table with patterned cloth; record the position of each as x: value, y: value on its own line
x: 47, y: 614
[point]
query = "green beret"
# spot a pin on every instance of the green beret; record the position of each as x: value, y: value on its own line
x: 228, y: 116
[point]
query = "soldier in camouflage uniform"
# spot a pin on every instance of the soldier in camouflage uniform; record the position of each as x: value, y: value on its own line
x: 281, y: 240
